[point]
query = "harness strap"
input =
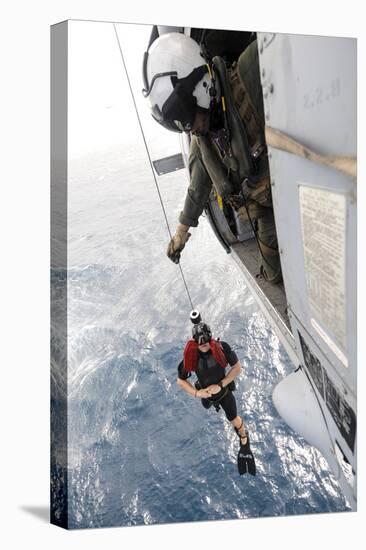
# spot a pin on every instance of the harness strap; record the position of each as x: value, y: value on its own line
x: 247, y: 111
x: 235, y: 125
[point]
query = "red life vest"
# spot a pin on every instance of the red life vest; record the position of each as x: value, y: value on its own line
x: 191, y: 354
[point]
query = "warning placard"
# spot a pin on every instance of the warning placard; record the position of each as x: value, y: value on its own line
x: 323, y: 220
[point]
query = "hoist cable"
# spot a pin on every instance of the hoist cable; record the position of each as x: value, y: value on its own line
x: 149, y: 157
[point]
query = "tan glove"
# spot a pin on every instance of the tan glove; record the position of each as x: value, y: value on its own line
x: 176, y: 245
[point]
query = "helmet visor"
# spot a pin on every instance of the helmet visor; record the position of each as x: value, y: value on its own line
x: 165, y: 122
x: 180, y: 108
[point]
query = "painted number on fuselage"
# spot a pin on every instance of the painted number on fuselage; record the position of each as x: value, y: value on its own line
x: 322, y: 95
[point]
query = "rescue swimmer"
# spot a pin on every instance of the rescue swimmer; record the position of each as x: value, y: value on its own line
x: 222, y: 110
x: 208, y: 359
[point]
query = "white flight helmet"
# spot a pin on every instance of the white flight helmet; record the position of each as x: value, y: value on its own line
x: 176, y: 80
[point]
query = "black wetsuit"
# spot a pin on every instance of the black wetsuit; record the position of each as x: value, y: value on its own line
x: 209, y: 372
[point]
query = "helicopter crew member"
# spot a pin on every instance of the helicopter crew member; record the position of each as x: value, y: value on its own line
x: 208, y: 359
x: 222, y: 109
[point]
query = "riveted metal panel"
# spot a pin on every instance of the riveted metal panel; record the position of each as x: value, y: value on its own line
x: 309, y: 88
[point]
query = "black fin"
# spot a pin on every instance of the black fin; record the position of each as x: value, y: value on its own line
x: 252, y: 470
x: 242, y: 462
x: 246, y: 462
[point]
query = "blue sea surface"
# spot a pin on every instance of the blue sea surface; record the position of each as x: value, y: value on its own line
x: 140, y: 450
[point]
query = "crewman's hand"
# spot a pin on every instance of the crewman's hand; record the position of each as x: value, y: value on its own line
x: 177, y: 244
x: 213, y: 389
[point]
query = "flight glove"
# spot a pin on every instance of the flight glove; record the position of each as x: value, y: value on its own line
x: 176, y: 245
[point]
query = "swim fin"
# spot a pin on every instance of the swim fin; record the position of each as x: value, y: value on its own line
x: 246, y: 462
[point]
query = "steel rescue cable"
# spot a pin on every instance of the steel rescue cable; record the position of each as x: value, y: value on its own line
x: 150, y: 161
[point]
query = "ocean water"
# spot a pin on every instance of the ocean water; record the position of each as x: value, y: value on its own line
x: 140, y: 450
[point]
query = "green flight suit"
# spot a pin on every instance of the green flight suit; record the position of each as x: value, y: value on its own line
x: 200, y: 182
